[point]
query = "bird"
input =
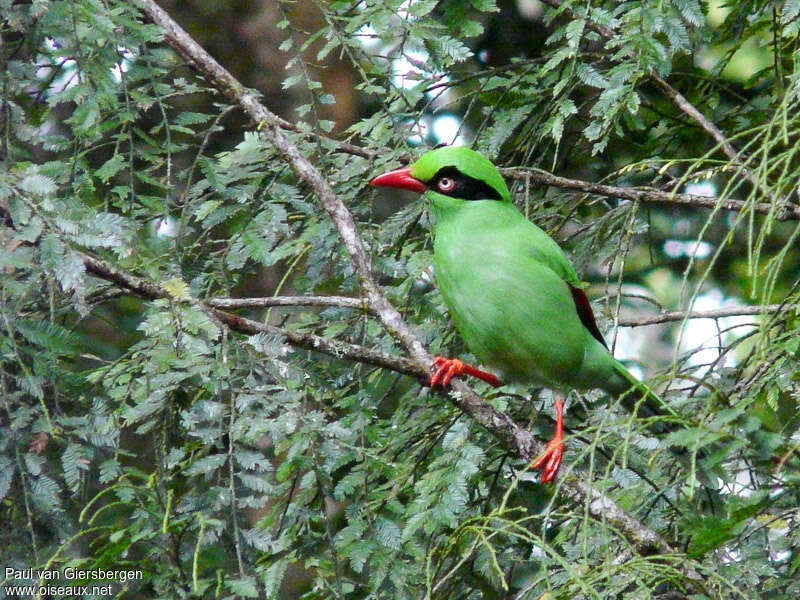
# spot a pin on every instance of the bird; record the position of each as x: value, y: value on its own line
x: 512, y: 293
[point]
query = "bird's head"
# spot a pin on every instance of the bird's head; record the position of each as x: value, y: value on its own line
x: 452, y: 171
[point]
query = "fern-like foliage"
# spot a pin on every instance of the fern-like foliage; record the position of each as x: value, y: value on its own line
x: 140, y: 431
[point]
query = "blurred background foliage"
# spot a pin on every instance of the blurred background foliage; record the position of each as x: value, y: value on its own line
x: 143, y: 434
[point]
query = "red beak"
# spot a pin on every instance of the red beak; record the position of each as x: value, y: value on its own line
x: 400, y: 178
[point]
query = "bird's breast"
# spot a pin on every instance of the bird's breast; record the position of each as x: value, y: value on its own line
x: 514, y: 313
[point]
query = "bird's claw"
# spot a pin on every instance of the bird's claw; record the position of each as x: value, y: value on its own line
x: 549, y: 461
x: 447, y: 368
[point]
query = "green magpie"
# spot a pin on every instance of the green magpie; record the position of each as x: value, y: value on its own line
x: 512, y: 293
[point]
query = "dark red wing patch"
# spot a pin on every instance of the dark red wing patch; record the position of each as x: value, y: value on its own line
x: 585, y: 313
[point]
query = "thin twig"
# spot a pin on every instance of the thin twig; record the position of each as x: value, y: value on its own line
x: 731, y: 311
x: 645, y: 194
x: 330, y: 301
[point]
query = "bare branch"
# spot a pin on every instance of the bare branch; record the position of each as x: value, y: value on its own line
x: 332, y: 301
x: 339, y: 349
x: 141, y: 287
x: 731, y: 311
x: 691, y: 111
x: 644, y: 194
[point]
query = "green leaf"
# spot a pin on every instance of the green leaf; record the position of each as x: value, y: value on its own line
x: 574, y: 32
x: 590, y: 76
x: 420, y: 8
x: 273, y: 576
x: 110, y: 168
x: 177, y: 288
x: 691, y: 11
x: 37, y: 184
x: 485, y: 5
x: 244, y: 586
x: 388, y: 533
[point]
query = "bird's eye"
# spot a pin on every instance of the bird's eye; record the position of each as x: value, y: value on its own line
x: 446, y: 184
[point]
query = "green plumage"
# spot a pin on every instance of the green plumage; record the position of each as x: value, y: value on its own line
x: 506, y: 284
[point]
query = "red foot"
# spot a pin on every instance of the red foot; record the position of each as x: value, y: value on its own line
x: 549, y: 461
x: 447, y: 368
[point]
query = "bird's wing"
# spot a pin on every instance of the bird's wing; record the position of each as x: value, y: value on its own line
x: 586, y: 314
x: 546, y: 251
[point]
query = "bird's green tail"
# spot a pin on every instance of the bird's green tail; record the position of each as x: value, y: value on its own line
x: 641, y: 401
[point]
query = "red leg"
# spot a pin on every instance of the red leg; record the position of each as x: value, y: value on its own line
x: 550, y: 460
x: 447, y: 368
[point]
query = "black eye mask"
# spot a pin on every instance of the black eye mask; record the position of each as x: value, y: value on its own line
x: 466, y: 188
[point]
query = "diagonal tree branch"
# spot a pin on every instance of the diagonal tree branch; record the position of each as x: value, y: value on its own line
x: 514, y: 437
x: 705, y: 124
x: 574, y: 486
